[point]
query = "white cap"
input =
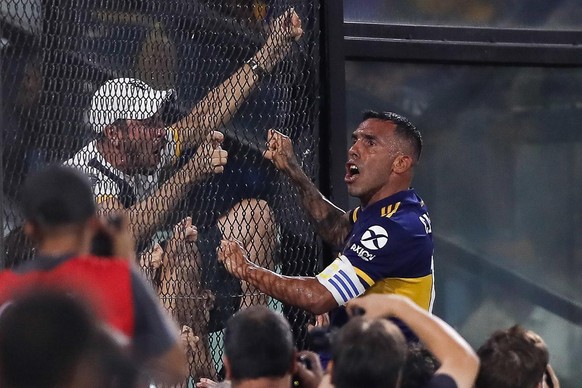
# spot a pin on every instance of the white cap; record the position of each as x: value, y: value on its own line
x: 125, y: 98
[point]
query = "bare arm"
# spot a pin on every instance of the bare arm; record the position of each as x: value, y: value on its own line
x: 304, y: 292
x: 218, y: 106
x: 146, y: 216
x: 456, y: 356
x: 331, y: 222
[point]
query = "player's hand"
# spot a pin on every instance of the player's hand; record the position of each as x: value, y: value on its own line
x: 210, y: 156
x: 234, y: 257
x: 308, y: 369
x: 280, y: 151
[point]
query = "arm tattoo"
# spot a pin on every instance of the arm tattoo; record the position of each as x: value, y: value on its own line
x: 331, y: 222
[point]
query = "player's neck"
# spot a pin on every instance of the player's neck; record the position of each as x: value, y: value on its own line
x: 383, y: 193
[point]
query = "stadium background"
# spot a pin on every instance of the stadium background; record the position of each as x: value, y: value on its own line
x: 495, y: 86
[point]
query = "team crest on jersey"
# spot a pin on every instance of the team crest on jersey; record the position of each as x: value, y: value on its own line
x: 375, y: 237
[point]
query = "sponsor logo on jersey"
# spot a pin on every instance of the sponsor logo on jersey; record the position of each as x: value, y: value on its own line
x: 362, y: 253
x: 374, y: 238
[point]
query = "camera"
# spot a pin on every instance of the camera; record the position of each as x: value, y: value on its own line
x: 102, y: 244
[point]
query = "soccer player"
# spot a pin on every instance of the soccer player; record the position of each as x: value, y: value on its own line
x: 387, y: 240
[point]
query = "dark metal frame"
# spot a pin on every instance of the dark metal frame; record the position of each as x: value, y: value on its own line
x: 435, y: 44
x: 378, y: 42
x: 332, y: 119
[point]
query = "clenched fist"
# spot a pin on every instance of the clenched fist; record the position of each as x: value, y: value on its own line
x: 280, y: 151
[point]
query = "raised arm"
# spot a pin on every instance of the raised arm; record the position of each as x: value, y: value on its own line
x: 222, y: 102
x: 146, y: 216
x: 331, y: 222
x: 457, y: 358
x: 303, y: 292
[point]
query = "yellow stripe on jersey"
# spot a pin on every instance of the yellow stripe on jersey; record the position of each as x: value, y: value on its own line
x: 364, y: 276
x: 103, y: 198
x: 420, y: 290
x: 355, y: 214
x: 388, y: 211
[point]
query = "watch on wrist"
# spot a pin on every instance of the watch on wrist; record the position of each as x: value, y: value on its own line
x: 257, y: 69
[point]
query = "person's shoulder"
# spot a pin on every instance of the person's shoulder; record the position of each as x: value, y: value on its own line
x: 405, y: 212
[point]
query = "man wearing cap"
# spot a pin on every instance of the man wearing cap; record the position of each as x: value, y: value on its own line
x: 123, y: 163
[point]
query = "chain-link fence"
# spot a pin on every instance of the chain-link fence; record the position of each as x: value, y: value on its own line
x: 130, y: 92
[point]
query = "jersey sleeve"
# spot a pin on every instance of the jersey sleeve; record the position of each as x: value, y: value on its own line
x: 341, y: 279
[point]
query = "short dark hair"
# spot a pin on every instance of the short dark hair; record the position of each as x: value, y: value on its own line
x: 512, y: 358
x: 57, y: 196
x: 258, y: 343
x: 368, y: 354
x: 419, y: 367
x: 43, y: 334
x: 404, y: 128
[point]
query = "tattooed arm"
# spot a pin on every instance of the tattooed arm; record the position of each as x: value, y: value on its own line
x: 331, y: 222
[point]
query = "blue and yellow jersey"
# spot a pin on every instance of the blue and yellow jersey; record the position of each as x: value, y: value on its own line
x: 388, y: 251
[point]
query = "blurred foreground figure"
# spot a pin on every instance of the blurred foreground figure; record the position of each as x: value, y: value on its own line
x: 60, y: 217
x: 51, y: 339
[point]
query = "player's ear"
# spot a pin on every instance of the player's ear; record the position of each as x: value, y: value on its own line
x: 401, y: 164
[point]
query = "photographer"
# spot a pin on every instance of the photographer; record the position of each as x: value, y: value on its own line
x: 61, y: 219
x: 259, y: 352
x: 379, y: 346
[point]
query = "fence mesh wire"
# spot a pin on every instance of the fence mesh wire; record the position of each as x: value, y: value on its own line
x: 56, y: 54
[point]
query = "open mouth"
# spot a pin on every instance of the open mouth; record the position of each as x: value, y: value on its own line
x: 352, y: 171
